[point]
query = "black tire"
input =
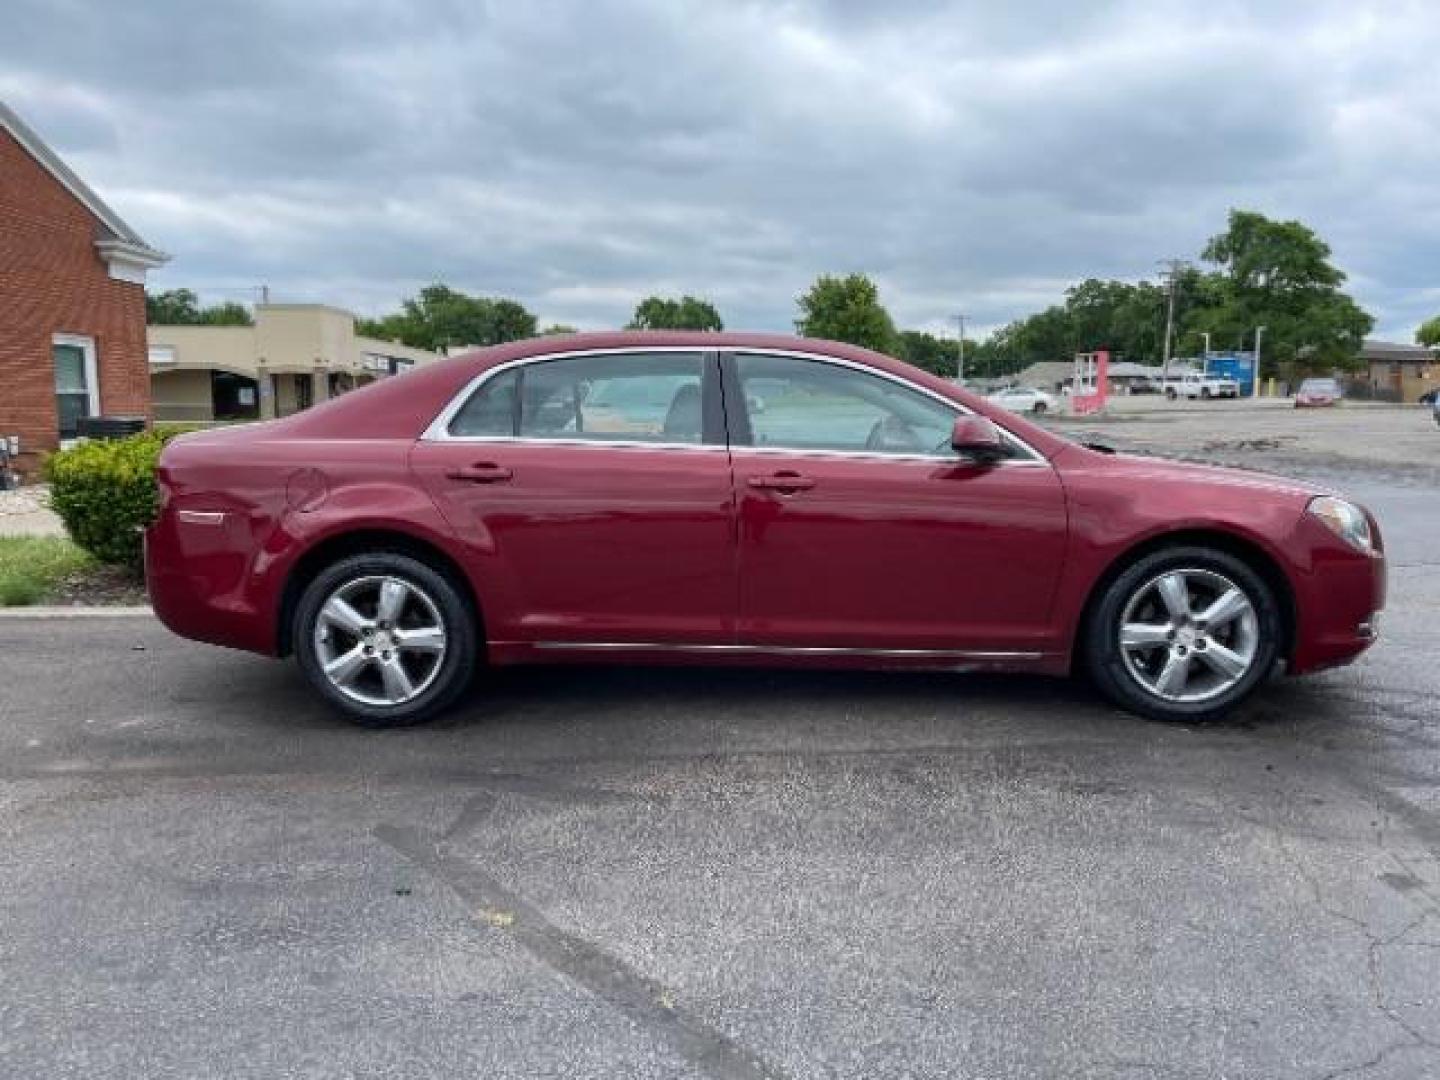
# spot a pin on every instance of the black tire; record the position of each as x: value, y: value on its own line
x: 453, y: 673
x: 1102, y: 656
x: 1038, y: 408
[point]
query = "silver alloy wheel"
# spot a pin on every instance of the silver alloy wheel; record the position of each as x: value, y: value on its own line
x: 1189, y: 635
x: 380, y: 640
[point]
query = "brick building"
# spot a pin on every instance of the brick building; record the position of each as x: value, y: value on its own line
x: 72, y: 300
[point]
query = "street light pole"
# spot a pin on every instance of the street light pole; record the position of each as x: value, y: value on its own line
x: 1173, y: 272
x: 960, y: 373
x: 1255, y: 389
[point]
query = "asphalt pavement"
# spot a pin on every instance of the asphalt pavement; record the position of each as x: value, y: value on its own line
x: 732, y: 874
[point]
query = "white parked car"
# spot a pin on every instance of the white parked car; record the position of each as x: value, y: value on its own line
x: 1023, y: 399
x: 1197, y: 384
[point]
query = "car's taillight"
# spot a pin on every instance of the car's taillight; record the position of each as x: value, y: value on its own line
x: 164, y: 490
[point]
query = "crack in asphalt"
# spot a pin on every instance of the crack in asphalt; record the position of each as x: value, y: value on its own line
x: 647, y: 1003
x: 1374, y: 943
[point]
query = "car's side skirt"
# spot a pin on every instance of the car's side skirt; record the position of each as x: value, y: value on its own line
x: 780, y: 655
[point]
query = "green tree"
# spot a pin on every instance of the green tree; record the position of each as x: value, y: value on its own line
x: 388, y: 328
x: 687, y: 313
x: 230, y: 313
x: 175, y: 307
x: 847, y: 309
x: 181, y: 307
x: 1278, y: 274
x: 937, y: 355
x: 1429, y: 333
x: 442, y: 317
x: 1266, y: 273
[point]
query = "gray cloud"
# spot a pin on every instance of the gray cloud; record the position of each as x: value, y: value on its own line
x: 580, y: 155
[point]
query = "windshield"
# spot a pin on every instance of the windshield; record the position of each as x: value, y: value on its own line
x: 1319, y: 386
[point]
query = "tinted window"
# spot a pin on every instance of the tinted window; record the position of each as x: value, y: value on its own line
x: 624, y: 397
x: 811, y: 405
x: 491, y: 409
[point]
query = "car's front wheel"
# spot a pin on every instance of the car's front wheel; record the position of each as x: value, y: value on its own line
x: 1184, y: 633
x: 385, y: 638
x: 1039, y: 408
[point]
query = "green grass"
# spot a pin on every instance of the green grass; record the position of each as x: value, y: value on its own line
x: 31, y: 566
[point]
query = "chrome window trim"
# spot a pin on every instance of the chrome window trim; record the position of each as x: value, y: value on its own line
x: 438, y: 430
x: 608, y: 444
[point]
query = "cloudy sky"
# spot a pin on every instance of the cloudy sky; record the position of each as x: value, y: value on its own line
x: 971, y: 157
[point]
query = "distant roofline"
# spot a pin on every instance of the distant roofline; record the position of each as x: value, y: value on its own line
x: 304, y: 306
x: 1376, y: 345
x: 124, y: 242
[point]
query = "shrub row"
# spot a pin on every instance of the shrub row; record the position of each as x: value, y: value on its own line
x: 105, y: 493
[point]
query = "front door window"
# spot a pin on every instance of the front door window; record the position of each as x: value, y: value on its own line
x: 811, y: 405
x: 76, y: 392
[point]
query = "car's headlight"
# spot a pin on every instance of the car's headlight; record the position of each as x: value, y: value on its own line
x: 1345, y: 520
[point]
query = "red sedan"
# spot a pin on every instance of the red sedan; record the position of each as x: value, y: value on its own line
x: 738, y: 498
x: 1318, y: 394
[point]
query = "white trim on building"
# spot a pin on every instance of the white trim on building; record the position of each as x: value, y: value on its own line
x: 124, y: 251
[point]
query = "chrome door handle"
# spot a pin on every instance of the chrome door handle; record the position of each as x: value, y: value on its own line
x: 783, y: 482
x: 482, y: 473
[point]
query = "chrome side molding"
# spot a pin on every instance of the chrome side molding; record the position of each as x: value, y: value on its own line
x: 788, y: 650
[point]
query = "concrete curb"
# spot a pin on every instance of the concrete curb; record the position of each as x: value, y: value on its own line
x: 116, y: 611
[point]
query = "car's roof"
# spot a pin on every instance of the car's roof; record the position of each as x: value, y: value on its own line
x: 403, y: 406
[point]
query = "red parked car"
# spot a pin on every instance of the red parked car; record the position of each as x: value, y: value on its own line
x: 738, y: 498
x: 1318, y: 394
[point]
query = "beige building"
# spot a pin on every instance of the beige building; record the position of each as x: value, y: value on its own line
x: 1398, y: 372
x: 294, y: 356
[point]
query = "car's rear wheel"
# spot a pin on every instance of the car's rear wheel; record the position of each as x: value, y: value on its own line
x: 1184, y: 634
x: 385, y: 638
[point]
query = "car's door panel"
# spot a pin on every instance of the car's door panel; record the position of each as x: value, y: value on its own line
x: 847, y: 549
x: 605, y: 541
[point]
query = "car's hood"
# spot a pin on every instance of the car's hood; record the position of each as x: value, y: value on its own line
x: 1155, y: 470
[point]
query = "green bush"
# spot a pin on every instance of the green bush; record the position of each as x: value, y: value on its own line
x: 105, y: 493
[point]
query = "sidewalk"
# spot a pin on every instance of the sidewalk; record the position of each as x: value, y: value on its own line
x: 26, y: 512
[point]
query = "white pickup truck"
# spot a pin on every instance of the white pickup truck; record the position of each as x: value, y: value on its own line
x: 1197, y: 384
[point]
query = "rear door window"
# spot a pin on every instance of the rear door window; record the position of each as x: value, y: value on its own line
x: 613, y: 398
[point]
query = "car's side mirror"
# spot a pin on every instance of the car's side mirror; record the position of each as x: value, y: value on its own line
x: 977, y: 438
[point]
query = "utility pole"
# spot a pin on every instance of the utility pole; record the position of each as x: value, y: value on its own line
x: 1173, y: 268
x: 1255, y: 387
x: 960, y: 373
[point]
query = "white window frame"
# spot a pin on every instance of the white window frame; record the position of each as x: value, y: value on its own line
x: 92, y: 365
